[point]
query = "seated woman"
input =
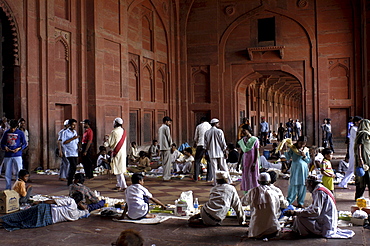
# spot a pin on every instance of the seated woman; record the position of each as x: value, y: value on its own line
x: 143, y: 164
x: 47, y: 213
x: 137, y: 200
x: 21, y: 188
x: 185, y: 162
x: 89, y: 198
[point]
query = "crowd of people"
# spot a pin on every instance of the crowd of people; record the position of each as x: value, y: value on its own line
x: 211, y: 151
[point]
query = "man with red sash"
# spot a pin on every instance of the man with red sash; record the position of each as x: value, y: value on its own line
x: 117, y: 142
x: 321, y: 217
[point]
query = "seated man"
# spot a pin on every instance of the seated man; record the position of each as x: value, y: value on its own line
x: 222, y: 197
x: 47, y: 213
x: 89, y: 198
x: 133, y: 152
x: 265, y: 202
x: 185, y: 162
x: 137, y: 200
x: 321, y: 217
x: 142, y: 164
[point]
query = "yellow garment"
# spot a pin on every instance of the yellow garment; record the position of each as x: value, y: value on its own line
x: 20, y: 187
x: 327, y: 181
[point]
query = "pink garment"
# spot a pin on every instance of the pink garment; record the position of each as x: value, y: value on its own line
x: 249, y: 178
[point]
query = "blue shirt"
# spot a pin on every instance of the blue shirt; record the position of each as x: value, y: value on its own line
x: 264, y: 126
x: 13, y: 140
x: 70, y: 149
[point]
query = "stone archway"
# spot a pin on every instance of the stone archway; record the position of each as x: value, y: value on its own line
x: 273, y: 94
x: 10, y: 98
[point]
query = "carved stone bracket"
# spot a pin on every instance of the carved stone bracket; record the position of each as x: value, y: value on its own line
x: 14, y: 29
x: 265, y: 49
x: 65, y: 38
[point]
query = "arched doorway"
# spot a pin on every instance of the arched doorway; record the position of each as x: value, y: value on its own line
x: 275, y: 95
x: 10, y: 98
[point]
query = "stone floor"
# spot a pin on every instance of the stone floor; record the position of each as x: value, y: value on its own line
x: 97, y: 230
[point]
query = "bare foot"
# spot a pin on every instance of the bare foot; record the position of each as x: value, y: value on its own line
x: 150, y: 216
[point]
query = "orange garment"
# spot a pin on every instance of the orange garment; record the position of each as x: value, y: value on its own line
x: 20, y: 187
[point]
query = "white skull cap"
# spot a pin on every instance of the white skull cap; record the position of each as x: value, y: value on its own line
x: 118, y: 120
x: 214, y: 120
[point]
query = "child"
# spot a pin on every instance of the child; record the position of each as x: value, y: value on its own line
x: 143, y: 163
x: 137, y: 200
x: 103, y: 159
x: 89, y: 197
x: 327, y: 170
x: 185, y: 163
x: 232, y: 157
x: 21, y: 188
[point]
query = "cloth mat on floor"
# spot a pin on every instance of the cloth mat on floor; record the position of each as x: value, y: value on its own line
x: 152, y: 221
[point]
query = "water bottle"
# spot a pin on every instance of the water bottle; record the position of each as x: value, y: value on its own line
x: 196, y: 206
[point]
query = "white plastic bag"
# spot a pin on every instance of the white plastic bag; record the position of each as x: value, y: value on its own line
x: 359, y: 214
x: 187, y: 196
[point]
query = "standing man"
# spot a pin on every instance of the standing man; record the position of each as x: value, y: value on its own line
x: 199, y: 144
x: 264, y: 126
x: 289, y: 128
x: 2, y: 153
x: 298, y: 128
x: 87, y: 139
x: 351, y: 153
x: 13, y: 142
x: 64, y: 166
x: 22, y: 127
x: 165, y: 142
x: 327, y: 134
x: 215, y: 144
x: 70, y: 148
x: 117, y: 142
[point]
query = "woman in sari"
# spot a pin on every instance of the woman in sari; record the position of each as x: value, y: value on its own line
x: 300, y: 156
x: 250, y: 159
x: 362, y: 155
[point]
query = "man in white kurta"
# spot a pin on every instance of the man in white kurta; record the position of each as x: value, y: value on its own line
x: 165, y: 142
x: 118, y: 162
x: 265, y: 202
x: 215, y: 144
x: 321, y: 217
x: 351, y: 153
x: 222, y: 197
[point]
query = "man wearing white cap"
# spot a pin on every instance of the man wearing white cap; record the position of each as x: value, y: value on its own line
x: 165, y: 145
x: 64, y: 166
x: 215, y: 144
x: 321, y: 217
x: 117, y: 142
x: 265, y: 205
x: 222, y: 197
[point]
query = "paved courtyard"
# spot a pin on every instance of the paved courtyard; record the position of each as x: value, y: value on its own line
x: 97, y: 230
